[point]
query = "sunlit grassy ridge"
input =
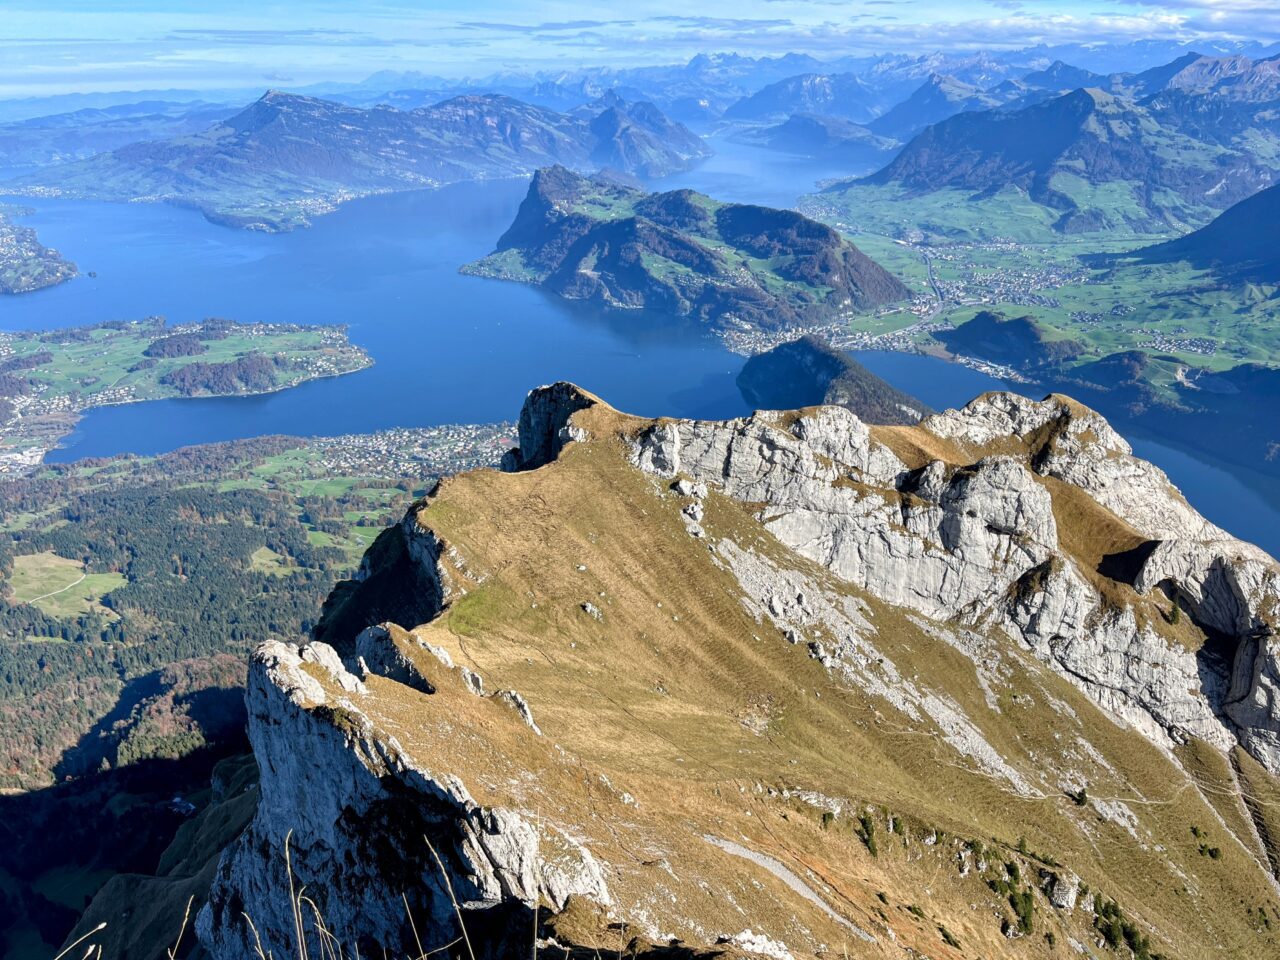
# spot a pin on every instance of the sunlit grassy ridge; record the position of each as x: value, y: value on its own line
x: 675, y: 715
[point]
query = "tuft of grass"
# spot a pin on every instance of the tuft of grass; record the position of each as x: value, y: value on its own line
x: 948, y: 937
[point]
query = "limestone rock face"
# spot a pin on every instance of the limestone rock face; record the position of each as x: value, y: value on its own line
x: 544, y: 425
x: 979, y: 543
x: 940, y: 541
x: 333, y: 802
x: 652, y: 676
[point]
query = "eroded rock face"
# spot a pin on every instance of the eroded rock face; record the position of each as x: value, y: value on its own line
x: 980, y: 543
x: 1078, y: 446
x: 357, y: 801
x: 940, y: 542
x: 958, y: 541
x: 544, y: 426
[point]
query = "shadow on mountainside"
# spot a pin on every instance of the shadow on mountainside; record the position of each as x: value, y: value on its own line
x: 62, y: 843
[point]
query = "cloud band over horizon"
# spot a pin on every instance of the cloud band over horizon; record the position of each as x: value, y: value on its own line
x: 75, y: 45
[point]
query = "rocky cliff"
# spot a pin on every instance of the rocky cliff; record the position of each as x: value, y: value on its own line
x: 789, y: 686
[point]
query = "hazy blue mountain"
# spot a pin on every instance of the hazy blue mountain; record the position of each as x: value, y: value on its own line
x: 937, y: 99
x: 896, y: 76
x: 696, y: 91
x: 1141, y: 55
x: 637, y: 138
x: 26, y: 108
x: 1063, y: 76
x: 828, y: 137
x: 286, y: 158
x: 840, y: 95
x: 82, y: 133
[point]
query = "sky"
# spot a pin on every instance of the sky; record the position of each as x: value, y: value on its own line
x: 59, y: 46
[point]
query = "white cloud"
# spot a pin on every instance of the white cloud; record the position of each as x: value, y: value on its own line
x: 159, y: 43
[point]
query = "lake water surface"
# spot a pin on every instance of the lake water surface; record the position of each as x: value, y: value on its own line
x: 447, y: 348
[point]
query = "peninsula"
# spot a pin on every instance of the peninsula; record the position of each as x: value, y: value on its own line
x: 49, y: 378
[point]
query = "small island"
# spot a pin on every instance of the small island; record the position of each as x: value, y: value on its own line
x: 49, y: 378
x: 739, y: 268
x: 25, y: 263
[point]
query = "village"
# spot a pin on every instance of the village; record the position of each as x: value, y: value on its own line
x: 405, y: 451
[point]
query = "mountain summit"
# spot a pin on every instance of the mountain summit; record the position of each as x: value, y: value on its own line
x: 982, y: 686
x: 1060, y: 150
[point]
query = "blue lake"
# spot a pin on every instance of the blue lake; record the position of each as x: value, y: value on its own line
x: 447, y: 348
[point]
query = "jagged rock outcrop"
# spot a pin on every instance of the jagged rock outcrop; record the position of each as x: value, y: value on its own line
x: 750, y: 686
x: 544, y: 426
x: 350, y: 784
x: 941, y: 542
x: 980, y: 543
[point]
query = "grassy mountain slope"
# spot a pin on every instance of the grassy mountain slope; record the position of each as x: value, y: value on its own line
x: 1085, y: 162
x: 697, y: 748
x: 1242, y: 245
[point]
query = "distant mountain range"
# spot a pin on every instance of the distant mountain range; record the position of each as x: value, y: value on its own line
x: 733, y: 266
x: 1061, y: 150
x: 695, y: 90
x: 287, y: 158
x: 937, y: 99
x: 82, y: 133
x: 900, y: 94
x: 1231, y: 101
x: 844, y: 96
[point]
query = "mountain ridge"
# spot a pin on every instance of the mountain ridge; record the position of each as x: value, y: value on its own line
x: 1087, y: 135
x: 1240, y: 245
x: 286, y: 158
x: 672, y: 675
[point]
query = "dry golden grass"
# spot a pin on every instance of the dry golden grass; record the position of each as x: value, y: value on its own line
x: 676, y: 716
x: 650, y: 702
